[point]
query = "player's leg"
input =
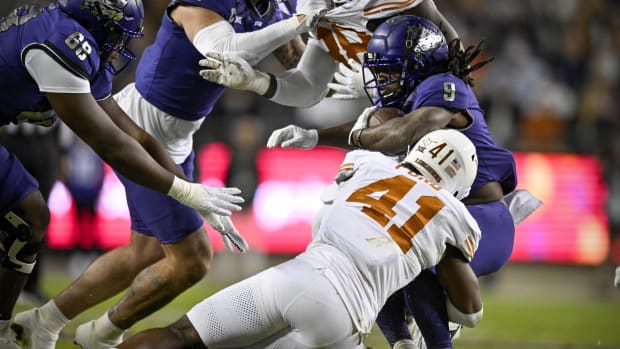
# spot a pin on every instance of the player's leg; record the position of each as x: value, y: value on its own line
x: 498, y: 233
x: 391, y: 319
x: 187, y: 257
x: 314, y: 311
x: 240, y: 315
x: 24, y: 217
x: 104, y: 278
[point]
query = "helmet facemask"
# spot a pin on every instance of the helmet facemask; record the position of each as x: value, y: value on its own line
x: 113, y: 23
x: 385, y: 80
x: 114, y: 51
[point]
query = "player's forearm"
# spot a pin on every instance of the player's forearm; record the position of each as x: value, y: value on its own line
x: 305, y: 85
x: 251, y: 46
x: 159, y: 154
x: 128, y: 157
x: 290, y: 53
x: 335, y: 136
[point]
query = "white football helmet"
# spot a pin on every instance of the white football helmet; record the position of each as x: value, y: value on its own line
x: 447, y: 158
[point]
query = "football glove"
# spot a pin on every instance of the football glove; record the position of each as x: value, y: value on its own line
x: 349, y: 82
x: 205, y: 199
x: 234, y: 72
x: 228, y: 231
x: 313, y: 10
x: 361, y: 122
x: 293, y: 136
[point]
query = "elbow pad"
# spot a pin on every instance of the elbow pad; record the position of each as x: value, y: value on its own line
x: 455, y: 315
x: 253, y: 46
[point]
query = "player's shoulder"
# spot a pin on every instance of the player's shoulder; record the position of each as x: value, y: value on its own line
x: 438, y: 81
x: 71, y: 45
x: 445, y: 90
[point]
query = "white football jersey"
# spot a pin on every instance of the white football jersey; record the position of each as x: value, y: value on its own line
x: 385, y: 225
x: 343, y: 30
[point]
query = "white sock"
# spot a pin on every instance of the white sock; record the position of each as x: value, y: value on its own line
x: 105, y: 328
x: 404, y: 344
x: 51, y: 318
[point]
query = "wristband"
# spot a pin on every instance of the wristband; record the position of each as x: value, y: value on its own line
x: 359, y: 139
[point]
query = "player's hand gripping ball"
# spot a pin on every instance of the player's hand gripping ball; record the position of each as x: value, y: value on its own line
x: 382, y: 115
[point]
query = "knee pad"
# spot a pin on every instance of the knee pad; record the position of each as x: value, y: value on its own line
x: 15, y: 237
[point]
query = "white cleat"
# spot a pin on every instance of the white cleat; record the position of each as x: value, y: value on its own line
x: 521, y: 204
x: 85, y: 337
x: 617, y: 279
x: 7, y: 343
x: 405, y: 344
x: 28, y: 332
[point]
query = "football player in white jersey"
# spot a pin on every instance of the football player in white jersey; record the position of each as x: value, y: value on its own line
x: 386, y: 223
x: 340, y: 38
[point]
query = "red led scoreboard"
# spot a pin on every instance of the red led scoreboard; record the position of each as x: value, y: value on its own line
x: 571, y: 226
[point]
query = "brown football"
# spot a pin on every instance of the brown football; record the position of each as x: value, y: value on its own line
x: 382, y: 115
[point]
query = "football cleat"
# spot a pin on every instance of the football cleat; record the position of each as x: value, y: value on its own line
x: 85, y: 337
x: 30, y: 334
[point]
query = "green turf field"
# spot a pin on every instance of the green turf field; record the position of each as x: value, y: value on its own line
x: 547, y: 322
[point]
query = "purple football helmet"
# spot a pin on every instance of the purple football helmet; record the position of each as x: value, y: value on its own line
x: 113, y: 23
x: 403, y: 50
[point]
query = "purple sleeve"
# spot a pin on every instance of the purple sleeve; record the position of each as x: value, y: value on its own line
x: 75, y: 49
x: 444, y: 90
x: 101, y: 84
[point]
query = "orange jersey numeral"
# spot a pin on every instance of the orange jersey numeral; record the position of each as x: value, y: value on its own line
x: 381, y: 197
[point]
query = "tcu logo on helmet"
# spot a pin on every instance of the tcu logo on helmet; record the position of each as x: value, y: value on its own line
x: 428, y: 40
x: 112, y: 9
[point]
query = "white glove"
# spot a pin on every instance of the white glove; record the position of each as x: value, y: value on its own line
x: 233, y: 72
x: 293, y: 136
x: 230, y: 234
x: 349, y: 82
x: 313, y: 10
x: 361, y: 122
x: 205, y: 199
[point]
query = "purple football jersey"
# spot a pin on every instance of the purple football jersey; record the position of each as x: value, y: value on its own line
x: 495, y: 164
x: 168, y: 73
x: 66, y: 41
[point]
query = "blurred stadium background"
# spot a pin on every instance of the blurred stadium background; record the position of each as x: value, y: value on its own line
x: 552, y: 95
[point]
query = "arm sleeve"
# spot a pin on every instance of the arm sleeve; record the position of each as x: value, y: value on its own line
x: 253, y: 46
x: 306, y: 85
x: 52, y: 76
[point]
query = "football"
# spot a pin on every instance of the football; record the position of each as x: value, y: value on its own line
x: 382, y: 115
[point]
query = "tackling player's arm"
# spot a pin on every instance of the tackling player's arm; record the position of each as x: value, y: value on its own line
x: 395, y: 135
x: 290, y: 53
x: 211, y: 33
x: 464, y: 301
x: 148, y: 142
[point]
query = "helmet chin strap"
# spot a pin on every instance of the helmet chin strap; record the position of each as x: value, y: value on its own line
x: 266, y: 13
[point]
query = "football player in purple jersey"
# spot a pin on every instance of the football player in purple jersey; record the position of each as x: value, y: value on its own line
x: 410, y: 66
x: 58, y: 61
x: 169, y: 250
